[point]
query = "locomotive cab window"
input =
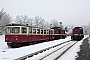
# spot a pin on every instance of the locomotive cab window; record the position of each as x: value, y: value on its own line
x: 24, y: 30
x: 75, y: 30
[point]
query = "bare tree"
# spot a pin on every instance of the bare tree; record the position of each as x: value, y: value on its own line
x: 47, y: 25
x: 54, y: 23
x: 30, y: 21
x: 23, y: 19
x: 38, y: 21
x: 42, y: 23
x: 86, y: 29
x: 4, y: 20
x: 70, y: 28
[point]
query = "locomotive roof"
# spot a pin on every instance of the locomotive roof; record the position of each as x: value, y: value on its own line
x: 56, y: 27
x: 12, y: 24
x: 78, y: 27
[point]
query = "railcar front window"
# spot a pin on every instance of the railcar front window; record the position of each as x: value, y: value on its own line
x: 8, y: 30
x: 12, y: 30
x: 15, y: 30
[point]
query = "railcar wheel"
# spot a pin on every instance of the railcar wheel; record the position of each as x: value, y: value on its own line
x: 9, y: 45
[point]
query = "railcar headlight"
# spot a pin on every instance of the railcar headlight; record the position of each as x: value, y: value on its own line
x: 6, y: 38
x: 16, y: 38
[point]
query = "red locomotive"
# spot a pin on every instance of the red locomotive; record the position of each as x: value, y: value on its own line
x: 59, y: 32
x: 77, y: 33
x: 19, y: 35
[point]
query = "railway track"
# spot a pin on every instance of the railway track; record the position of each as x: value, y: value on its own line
x: 56, y: 48
x: 59, y: 52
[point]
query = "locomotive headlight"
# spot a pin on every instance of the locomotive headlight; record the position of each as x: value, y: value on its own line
x: 16, y: 38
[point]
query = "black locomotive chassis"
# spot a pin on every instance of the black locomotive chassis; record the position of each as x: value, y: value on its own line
x: 77, y: 37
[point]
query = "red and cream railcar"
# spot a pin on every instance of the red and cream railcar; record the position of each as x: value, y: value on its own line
x: 18, y: 35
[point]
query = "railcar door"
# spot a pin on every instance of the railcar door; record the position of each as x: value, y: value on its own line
x: 24, y: 35
x: 30, y: 34
x: 50, y: 34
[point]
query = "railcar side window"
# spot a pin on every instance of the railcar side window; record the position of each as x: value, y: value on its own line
x: 38, y: 31
x: 34, y: 31
x: 44, y: 31
x: 16, y: 30
x: 8, y: 30
x: 30, y: 30
x: 51, y: 31
x: 47, y: 31
x: 24, y: 30
x: 41, y: 31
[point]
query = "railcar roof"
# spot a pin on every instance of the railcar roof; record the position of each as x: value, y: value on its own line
x: 16, y: 25
x: 24, y: 25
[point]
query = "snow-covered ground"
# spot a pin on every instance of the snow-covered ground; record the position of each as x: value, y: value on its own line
x: 3, y: 44
x: 13, y: 53
x: 89, y: 40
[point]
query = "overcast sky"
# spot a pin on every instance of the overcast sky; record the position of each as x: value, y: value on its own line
x: 70, y: 12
